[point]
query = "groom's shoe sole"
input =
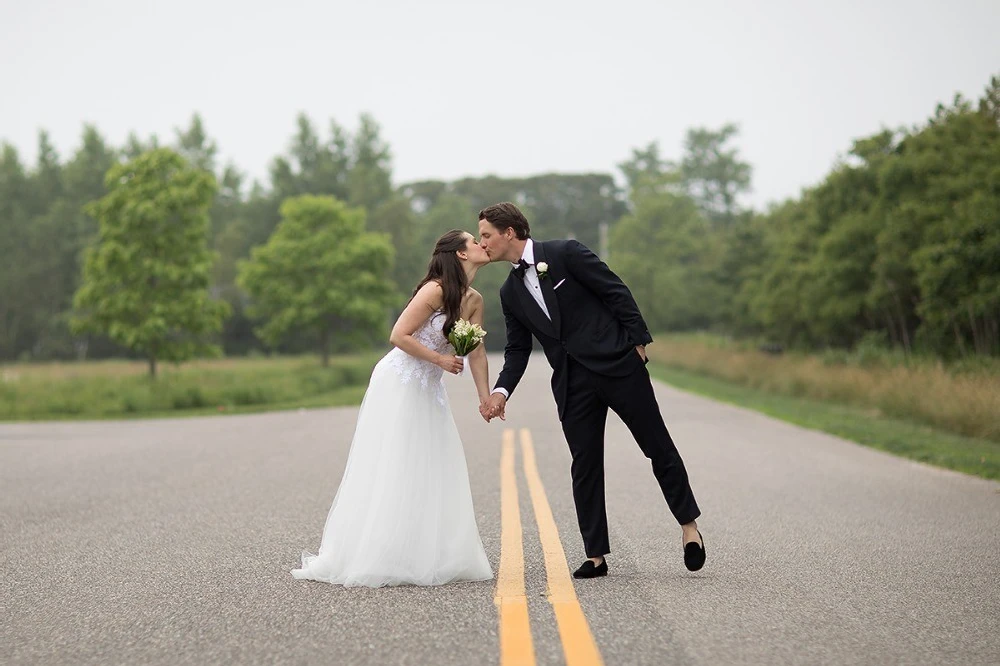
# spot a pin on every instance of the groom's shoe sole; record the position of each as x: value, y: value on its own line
x: 588, y: 570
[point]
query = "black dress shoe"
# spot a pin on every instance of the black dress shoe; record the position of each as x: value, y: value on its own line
x: 694, y: 554
x: 589, y: 570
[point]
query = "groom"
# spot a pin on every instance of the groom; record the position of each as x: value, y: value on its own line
x: 594, y: 338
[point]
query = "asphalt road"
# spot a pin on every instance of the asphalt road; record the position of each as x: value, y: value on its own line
x: 170, y: 542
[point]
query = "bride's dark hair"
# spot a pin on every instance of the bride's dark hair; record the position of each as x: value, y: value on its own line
x: 446, y: 268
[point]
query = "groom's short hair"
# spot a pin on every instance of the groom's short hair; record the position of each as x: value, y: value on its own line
x: 506, y: 215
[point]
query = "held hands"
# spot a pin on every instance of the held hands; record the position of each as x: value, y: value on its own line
x: 448, y: 363
x: 493, y: 406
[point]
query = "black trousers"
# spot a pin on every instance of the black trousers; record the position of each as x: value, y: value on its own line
x: 588, y: 398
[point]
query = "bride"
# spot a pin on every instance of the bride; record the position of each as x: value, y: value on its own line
x: 403, y: 513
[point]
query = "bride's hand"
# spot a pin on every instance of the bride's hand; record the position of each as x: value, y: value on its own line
x: 493, y: 407
x: 450, y: 363
x: 484, y: 408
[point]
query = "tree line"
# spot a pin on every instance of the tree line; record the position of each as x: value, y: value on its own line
x: 116, y: 249
x: 899, y: 245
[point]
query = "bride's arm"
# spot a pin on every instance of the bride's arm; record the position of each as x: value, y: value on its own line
x: 477, y: 359
x: 426, y: 301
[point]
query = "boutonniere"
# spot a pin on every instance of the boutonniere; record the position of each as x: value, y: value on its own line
x: 543, y: 269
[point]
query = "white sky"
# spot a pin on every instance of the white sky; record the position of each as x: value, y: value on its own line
x: 513, y: 88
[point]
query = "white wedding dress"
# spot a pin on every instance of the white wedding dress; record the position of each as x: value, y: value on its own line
x: 403, y: 513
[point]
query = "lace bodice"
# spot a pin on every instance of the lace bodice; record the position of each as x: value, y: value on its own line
x: 409, y: 368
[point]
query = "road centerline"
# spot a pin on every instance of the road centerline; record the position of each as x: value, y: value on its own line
x: 516, y: 647
x: 579, y: 646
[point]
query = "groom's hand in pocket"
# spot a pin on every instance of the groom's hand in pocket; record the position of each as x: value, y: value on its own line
x: 642, y: 353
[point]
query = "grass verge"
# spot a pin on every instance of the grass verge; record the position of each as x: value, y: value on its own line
x: 962, y: 398
x: 121, y: 390
x: 980, y: 457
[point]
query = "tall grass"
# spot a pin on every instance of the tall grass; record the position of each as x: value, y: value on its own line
x: 116, y: 389
x: 962, y: 398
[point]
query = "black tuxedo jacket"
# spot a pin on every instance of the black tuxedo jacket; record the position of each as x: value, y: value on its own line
x: 595, y: 319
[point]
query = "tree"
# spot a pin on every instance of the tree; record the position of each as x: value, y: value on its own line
x: 145, y: 282
x: 957, y: 266
x: 370, y: 179
x: 39, y: 244
x: 47, y: 181
x: 52, y: 237
x: 134, y: 146
x: 572, y: 205
x: 989, y: 105
x: 15, y: 295
x: 557, y: 205
x: 195, y: 146
x: 425, y: 193
x: 773, y: 293
x: 958, y: 272
x: 312, y: 166
x: 662, y: 253
x: 397, y: 219
x: 900, y: 241
x: 647, y: 173
x: 83, y: 176
x: 713, y: 174
x: 320, y: 272
x: 937, y: 195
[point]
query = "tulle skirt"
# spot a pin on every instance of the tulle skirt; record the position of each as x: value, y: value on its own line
x: 403, y: 512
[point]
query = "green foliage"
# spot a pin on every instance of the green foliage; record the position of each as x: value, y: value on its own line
x: 397, y: 220
x: 898, y: 242
x: 647, y: 173
x: 145, y: 282
x: 313, y: 165
x: 557, y: 205
x: 195, y: 146
x: 713, y: 173
x: 370, y: 179
x: 15, y: 245
x: 902, y: 241
x: 683, y: 248
x: 320, y: 272
x: 663, y: 253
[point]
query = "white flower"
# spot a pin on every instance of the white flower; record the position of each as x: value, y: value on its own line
x: 466, y: 336
x: 542, y: 267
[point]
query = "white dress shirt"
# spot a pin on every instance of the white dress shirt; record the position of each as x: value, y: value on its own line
x: 534, y: 286
x: 531, y: 280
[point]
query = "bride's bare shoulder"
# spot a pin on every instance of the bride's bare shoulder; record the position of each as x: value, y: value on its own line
x: 429, y: 295
x: 472, y: 305
x: 474, y: 297
x: 431, y: 289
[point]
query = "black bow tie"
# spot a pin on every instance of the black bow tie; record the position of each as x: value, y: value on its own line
x: 521, y: 267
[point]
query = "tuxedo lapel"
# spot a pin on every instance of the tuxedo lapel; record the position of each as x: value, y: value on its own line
x: 530, y: 306
x: 548, y: 292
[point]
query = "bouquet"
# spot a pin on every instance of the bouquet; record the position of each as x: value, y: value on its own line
x: 465, y: 337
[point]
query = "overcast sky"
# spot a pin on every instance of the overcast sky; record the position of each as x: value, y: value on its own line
x: 511, y: 88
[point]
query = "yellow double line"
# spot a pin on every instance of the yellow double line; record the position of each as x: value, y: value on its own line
x: 516, y: 646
